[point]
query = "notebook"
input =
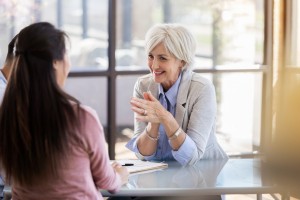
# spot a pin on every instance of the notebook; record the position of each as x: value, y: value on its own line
x: 135, y: 166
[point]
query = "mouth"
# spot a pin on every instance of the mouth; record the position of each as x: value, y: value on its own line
x: 157, y: 73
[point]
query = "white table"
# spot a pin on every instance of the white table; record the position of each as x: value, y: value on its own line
x: 208, y: 177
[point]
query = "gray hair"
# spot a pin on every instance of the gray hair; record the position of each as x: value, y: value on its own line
x: 177, y: 39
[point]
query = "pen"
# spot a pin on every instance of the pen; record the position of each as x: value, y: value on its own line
x: 128, y: 164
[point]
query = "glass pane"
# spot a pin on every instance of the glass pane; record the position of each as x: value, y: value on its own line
x: 90, y: 91
x: 238, y: 118
x: 17, y: 14
x: 85, y: 21
x: 239, y: 110
x: 227, y: 32
x: 124, y: 119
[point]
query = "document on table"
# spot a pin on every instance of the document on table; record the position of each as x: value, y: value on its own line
x: 135, y: 166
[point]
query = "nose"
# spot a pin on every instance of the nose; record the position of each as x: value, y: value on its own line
x: 154, y: 64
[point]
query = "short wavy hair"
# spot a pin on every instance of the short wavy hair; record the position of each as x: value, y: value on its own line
x: 177, y: 39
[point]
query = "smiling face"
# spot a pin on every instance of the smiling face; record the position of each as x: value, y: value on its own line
x: 165, y: 68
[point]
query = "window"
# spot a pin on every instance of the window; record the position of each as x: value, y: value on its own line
x: 107, y: 55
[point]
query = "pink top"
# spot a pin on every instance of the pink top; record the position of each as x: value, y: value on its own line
x: 89, y: 168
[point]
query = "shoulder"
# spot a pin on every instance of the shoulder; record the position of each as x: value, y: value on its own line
x: 3, y: 80
x: 200, y: 80
x: 202, y: 84
x: 145, y: 79
x: 87, y: 116
x: 90, y: 127
x: 143, y: 83
x: 196, y: 88
x: 2, y: 86
x: 88, y: 112
x: 199, y: 84
x: 2, y: 77
x: 87, y: 109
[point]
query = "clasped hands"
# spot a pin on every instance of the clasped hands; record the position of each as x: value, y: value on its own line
x: 149, y: 109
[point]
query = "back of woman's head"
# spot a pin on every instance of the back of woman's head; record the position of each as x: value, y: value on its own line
x: 10, y: 51
x: 177, y: 39
x: 37, y: 117
x: 40, y: 44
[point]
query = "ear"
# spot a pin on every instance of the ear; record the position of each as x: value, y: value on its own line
x: 55, y: 64
x: 181, y: 66
x: 182, y: 63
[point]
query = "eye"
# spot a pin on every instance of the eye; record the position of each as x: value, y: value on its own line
x: 150, y: 57
x: 162, y: 58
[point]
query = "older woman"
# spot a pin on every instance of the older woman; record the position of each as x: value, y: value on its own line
x: 175, y: 108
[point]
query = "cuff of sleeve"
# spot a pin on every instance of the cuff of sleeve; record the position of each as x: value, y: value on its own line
x: 118, y: 184
x: 132, y: 145
x: 185, y: 152
x: 151, y: 157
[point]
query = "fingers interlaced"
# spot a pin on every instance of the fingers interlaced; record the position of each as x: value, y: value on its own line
x: 146, y: 110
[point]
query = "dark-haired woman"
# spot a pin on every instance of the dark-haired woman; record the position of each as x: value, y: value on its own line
x: 51, y: 147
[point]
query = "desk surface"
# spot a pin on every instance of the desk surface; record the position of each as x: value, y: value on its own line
x: 208, y: 177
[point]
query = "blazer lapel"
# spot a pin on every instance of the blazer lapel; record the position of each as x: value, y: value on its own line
x: 183, y: 95
x: 153, y: 88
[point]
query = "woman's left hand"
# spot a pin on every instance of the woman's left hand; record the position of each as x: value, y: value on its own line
x: 149, y: 109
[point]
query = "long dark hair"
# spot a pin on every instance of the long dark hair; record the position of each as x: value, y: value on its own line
x: 37, y: 118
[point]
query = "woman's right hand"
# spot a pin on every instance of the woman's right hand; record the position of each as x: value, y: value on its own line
x: 149, y: 109
x: 122, y: 171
